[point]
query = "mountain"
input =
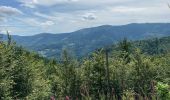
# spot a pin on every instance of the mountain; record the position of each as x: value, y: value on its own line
x: 83, y: 41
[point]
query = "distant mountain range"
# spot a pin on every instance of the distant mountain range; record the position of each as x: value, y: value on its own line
x: 86, y: 40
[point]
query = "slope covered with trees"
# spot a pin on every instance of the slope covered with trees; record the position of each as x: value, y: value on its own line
x: 127, y: 72
x: 87, y: 40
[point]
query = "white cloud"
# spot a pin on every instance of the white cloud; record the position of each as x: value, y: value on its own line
x: 47, y: 23
x: 29, y: 4
x: 5, y: 31
x: 1, y: 18
x: 124, y: 9
x: 8, y: 11
x: 48, y: 17
x: 34, y: 3
x: 89, y: 16
x: 76, y: 14
x: 36, y: 22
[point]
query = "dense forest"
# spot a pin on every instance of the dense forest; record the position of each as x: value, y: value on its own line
x: 137, y: 70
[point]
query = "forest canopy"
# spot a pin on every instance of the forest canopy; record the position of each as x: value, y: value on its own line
x: 138, y: 70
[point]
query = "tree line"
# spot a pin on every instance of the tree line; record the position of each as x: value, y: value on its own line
x: 126, y: 72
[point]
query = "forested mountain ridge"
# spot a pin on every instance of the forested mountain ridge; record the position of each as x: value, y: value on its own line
x: 83, y: 41
x: 148, y: 46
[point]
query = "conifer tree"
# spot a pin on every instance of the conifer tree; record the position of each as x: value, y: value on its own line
x: 142, y: 76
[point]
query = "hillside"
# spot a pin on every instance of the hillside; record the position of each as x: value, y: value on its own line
x: 83, y: 41
x: 153, y: 46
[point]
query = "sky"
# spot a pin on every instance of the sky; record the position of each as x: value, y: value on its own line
x: 29, y: 17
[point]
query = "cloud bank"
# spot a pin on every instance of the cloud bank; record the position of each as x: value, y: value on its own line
x: 28, y: 17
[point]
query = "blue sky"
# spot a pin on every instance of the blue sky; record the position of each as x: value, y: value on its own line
x: 29, y: 17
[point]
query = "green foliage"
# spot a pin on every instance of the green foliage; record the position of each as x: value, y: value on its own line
x: 21, y: 74
x: 6, y: 68
x: 94, y: 74
x: 125, y: 73
x: 68, y: 74
x: 142, y: 75
x: 163, y: 91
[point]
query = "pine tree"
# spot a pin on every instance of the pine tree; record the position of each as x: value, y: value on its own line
x: 142, y: 76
